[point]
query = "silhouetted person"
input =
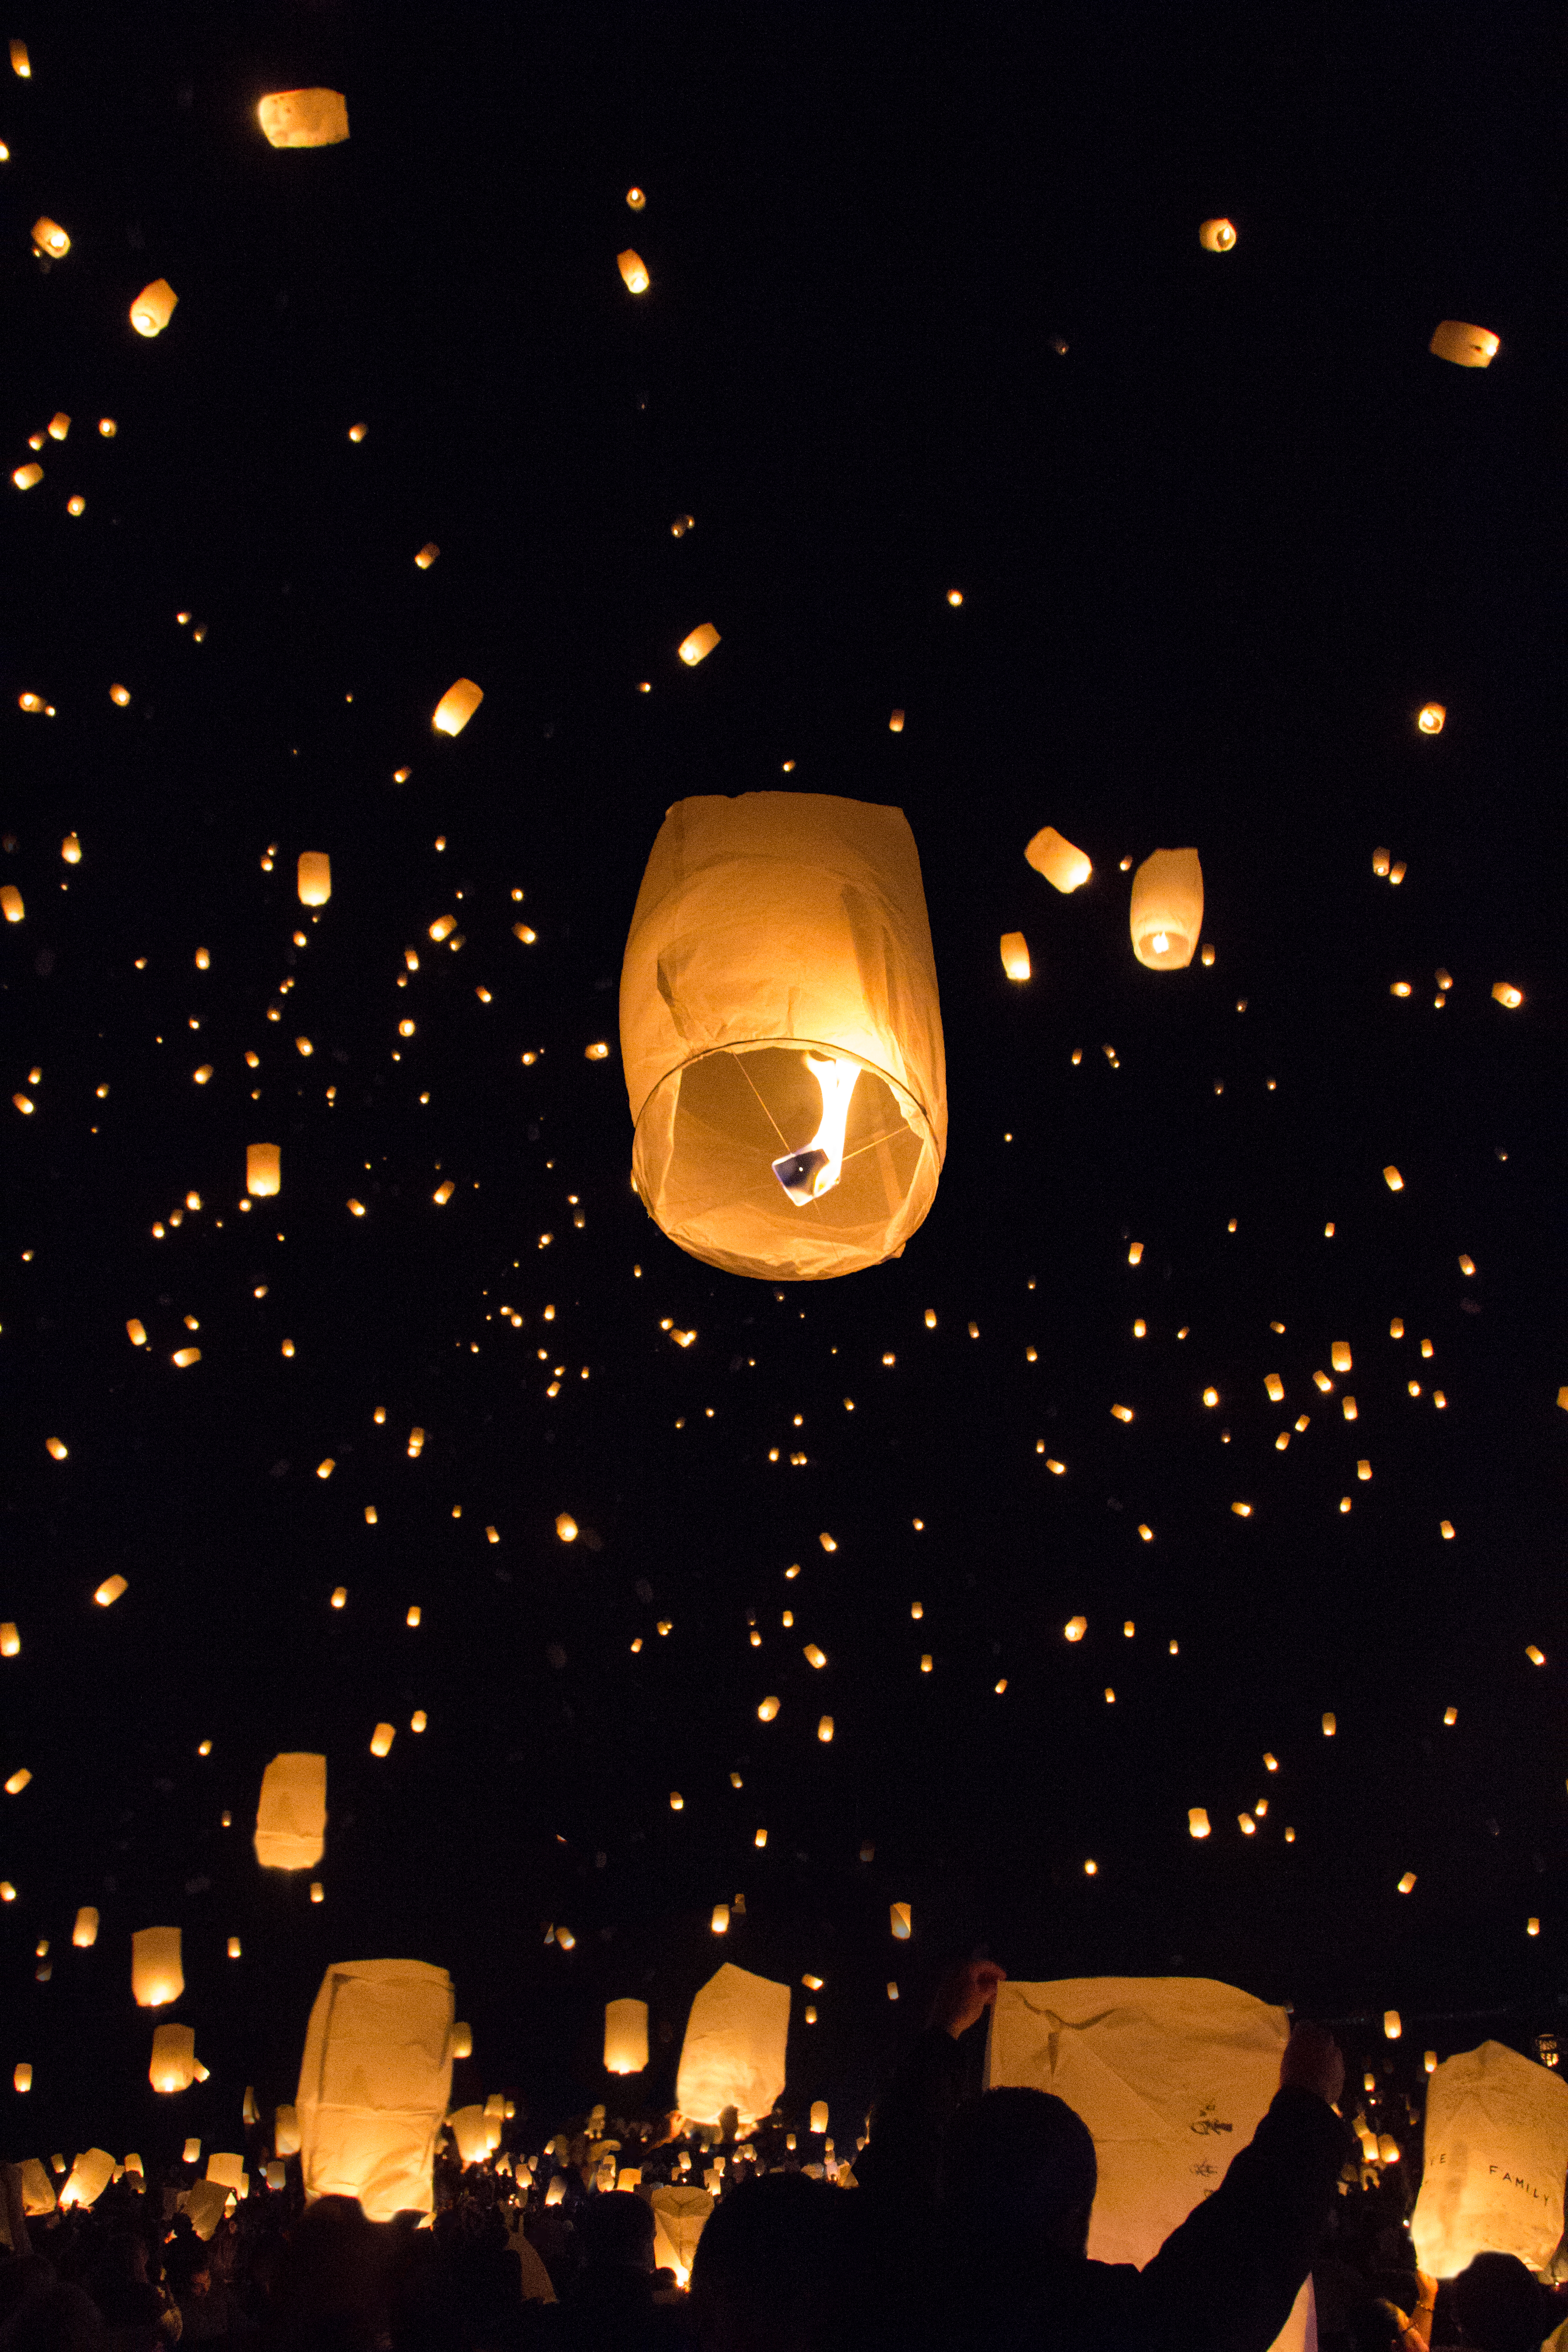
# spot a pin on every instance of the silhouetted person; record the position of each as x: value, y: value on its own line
x: 609, y: 2305
x: 767, y: 2275
x: 1503, y: 2307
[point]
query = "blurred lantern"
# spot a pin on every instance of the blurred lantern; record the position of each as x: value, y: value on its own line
x: 766, y: 1709
x: 566, y: 1527
x: 626, y: 2037
x: 277, y: 2174
x: 27, y: 478
x: 70, y: 849
x: 153, y: 308
x: 426, y: 556
x: 1407, y: 1881
x: 10, y: 1640
x: 1275, y: 1386
x: 285, y: 2131
x: 1051, y: 854
x: 1379, y: 864
x: 291, y: 1813
x: 11, y: 904
x: 720, y: 1923
x: 156, y: 1975
x: 315, y: 872
x: 1392, y: 2026
x: 634, y: 271
x: 227, y: 2168
x: 1197, y: 1822
x: 21, y: 65
x: 635, y: 199
x: 375, y: 2082
x: 1467, y: 346
x: 680, y: 2218
x: 304, y: 118
x: 896, y: 722
x: 1340, y: 1355
x: 1217, y: 235
x: 819, y: 2116
x: 779, y: 978
x: 37, y: 2196
x: 1015, y: 955
x: 1503, y: 991
x: 22, y: 2076
x: 235, y: 1948
x: 1387, y: 2149
x: 456, y: 707
x: 462, y: 2040
x: 1394, y: 1179
x: 84, y: 1934
x: 698, y: 645
x: 825, y: 1729
x: 174, y: 2062
x: 469, y: 2131
x: 263, y: 1169
x: 51, y: 238
x: 1497, y: 2125
x: 1430, y: 718
x: 1330, y: 1724
x: 1167, y: 909
x: 381, y: 1739
x: 90, y: 2177
x: 899, y: 1920
x: 733, y: 2052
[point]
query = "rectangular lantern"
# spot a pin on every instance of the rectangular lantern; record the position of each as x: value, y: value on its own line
x: 315, y: 877
x: 90, y: 2177
x: 634, y: 271
x: 1167, y: 910
x: 698, y: 645
x: 153, y: 308
x: 733, y: 2053
x: 173, y: 2061
x: 263, y: 1169
x: 1497, y: 2125
x: 286, y: 2132
x: 84, y: 1934
x: 1052, y: 853
x: 304, y: 118
x: 1465, y: 346
x: 680, y: 2218
x: 375, y: 2082
x: 469, y: 2130
x: 156, y: 1974
x: 456, y: 707
x: 626, y: 2037
x: 780, y: 1036
x: 291, y: 1815
x: 1015, y: 955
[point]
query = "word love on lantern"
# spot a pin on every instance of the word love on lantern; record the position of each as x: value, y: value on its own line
x: 156, y: 1973
x: 733, y: 2053
x: 1167, y: 912
x: 291, y: 1814
x: 626, y: 2037
x: 375, y: 2084
x: 782, y: 1037
x: 153, y: 308
x: 304, y: 118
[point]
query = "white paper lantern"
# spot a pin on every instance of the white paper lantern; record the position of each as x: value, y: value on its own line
x: 374, y: 2082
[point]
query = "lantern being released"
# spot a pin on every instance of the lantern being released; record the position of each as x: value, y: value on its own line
x: 1167, y: 909
x: 782, y: 1037
x: 374, y: 2082
x: 291, y: 1816
x: 626, y: 2037
x: 1497, y: 2124
x: 304, y: 118
x: 733, y: 2053
x: 156, y: 1974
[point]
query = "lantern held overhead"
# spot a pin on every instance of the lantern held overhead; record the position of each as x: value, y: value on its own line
x: 374, y: 2082
x: 733, y: 2053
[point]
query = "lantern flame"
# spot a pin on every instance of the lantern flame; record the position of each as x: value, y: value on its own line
x: 806, y: 1175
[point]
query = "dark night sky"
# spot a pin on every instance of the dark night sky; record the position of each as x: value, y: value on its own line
x: 928, y: 310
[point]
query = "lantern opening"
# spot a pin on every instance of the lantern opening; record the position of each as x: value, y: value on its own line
x: 806, y: 1175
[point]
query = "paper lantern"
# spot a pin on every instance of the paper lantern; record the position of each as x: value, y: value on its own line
x: 456, y: 707
x: 375, y: 2082
x: 304, y: 118
x: 1505, y: 993
x: 382, y: 1737
x: 285, y: 2131
x: 277, y: 2174
x: 469, y: 2131
x: 153, y: 308
x: 11, y: 903
x: 1217, y: 235
x: 38, y: 2195
x: 1015, y: 955
x: 1496, y: 2151
x: 1050, y: 853
x: 84, y: 1934
x: 90, y: 2177
x: 1340, y: 1355
x: 291, y: 1811
x: 203, y: 2203
x: 719, y: 1923
x: 634, y: 271
x: 626, y: 2037
x: 156, y: 1975
x: 733, y: 2053
x: 263, y: 1169
x: 1465, y: 346
x: 1429, y: 718
x: 51, y: 238
x: 10, y: 1640
x: 698, y: 645
x: 173, y: 2061
x: 1167, y: 910
x: 21, y: 65
x: 899, y: 1920
x: 779, y: 980
x: 680, y: 2218
x: 22, y: 2076
x: 315, y: 873
x: 819, y: 2116
x: 1197, y: 1822
x: 426, y: 556
x: 462, y: 2040
x: 1392, y: 2026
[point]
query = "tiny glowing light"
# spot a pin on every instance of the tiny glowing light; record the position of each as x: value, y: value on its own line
x: 635, y: 199
x: 1430, y: 717
x: 955, y: 596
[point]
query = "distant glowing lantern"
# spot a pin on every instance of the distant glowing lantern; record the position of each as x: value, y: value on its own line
x: 1167, y: 909
x: 896, y: 722
x: 382, y: 1737
x: 153, y: 307
x: 1197, y: 1822
x: 27, y: 478
x: 1379, y: 864
x: 1340, y: 1355
x: 1407, y: 1881
x: 426, y: 556
x: 22, y: 2076
x: 1465, y: 346
x: 767, y: 1709
x: 1394, y: 1179
x: 456, y: 707
x: 1274, y: 1385
x: 566, y: 1527
x: 1430, y: 717
x: 719, y: 1922
x: 286, y: 2132
x: 1051, y: 854
x: 462, y: 2040
x: 1217, y: 235
x: 10, y: 1640
x: 779, y: 980
x: 84, y: 1934
x: 292, y: 1813
x: 263, y: 1169
x: 304, y: 118
x: 156, y: 1975
x: 1504, y: 993
x: 733, y: 2052
x: 375, y: 2082
x: 1015, y: 955
x: 50, y: 238
x: 173, y: 2061
x: 11, y: 902
x: 825, y: 1729
x: 21, y: 65
x: 315, y: 877
x: 899, y: 1920
x: 1392, y: 2027
x: 634, y: 271
x: 626, y: 2037
x: 698, y: 645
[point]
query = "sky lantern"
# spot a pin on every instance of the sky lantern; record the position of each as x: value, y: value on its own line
x: 90, y: 2177
x: 733, y: 2052
x: 374, y: 2082
x: 291, y: 1813
x: 21, y: 64
x: 1050, y: 853
x: 263, y: 1169
x: 1167, y: 908
x: 780, y: 1036
x: 156, y: 1975
x: 1429, y: 718
x: 1217, y: 235
x: 1015, y: 955
x: 11, y: 902
x: 315, y: 877
x: 634, y: 271
x: 285, y: 2131
x: 1465, y: 346
x: 172, y: 2066
x: 456, y: 707
x: 304, y: 118
x: 1494, y: 2121
x: 698, y: 645
x: 469, y: 2130
x: 153, y: 307
x: 626, y: 2036
x: 51, y: 238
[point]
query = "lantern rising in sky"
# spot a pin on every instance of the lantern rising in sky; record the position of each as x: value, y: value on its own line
x: 1167, y: 910
x: 304, y: 118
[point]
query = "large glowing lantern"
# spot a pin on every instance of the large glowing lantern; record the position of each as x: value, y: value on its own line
x: 263, y: 1169
x: 626, y: 2036
x: 781, y: 1035
x: 1050, y: 853
x: 37, y: 2191
x: 90, y: 2177
x: 456, y: 707
x: 153, y: 308
x: 1467, y: 346
x: 374, y: 2082
x: 1167, y: 908
x: 680, y: 2218
x: 315, y: 877
x: 304, y: 118
x: 291, y: 1816
x: 469, y: 2131
x: 156, y: 1974
x: 173, y: 2061
x: 733, y: 2053
x: 1497, y: 2148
